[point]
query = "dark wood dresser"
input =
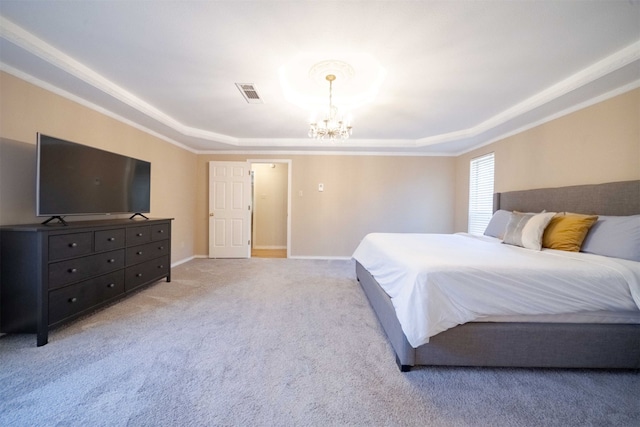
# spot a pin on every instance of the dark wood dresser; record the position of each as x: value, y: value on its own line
x: 50, y: 274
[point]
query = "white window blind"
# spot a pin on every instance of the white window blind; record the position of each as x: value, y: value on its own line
x: 480, y: 193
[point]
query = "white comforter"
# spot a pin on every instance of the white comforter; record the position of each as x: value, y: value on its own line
x: 438, y: 281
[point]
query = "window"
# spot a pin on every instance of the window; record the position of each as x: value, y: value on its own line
x: 480, y: 193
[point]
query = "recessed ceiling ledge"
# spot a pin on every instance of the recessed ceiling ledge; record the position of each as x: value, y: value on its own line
x: 306, y: 142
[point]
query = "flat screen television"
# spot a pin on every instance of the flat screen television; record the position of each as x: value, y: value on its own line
x: 75, y: 179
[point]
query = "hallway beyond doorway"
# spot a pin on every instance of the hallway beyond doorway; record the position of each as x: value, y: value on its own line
x: 268, y: 253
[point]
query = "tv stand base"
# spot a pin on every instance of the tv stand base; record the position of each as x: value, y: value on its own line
x: 136, y: 214
x: 59, y: 218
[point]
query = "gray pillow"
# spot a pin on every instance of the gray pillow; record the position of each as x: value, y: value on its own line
x: 498, y: 224
x: 614, y: 236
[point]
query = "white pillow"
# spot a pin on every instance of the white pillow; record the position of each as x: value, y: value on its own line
x: 526, y: 230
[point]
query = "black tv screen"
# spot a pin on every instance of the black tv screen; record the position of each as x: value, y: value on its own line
x: 75, y: 179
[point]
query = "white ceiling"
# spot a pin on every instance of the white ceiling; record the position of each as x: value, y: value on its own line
x: 459, y: 74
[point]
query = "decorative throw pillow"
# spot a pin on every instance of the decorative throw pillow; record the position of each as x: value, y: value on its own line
x: 614, y: 236
x: 498, y: 224
x: 526, y: 229
x: 567, y: 231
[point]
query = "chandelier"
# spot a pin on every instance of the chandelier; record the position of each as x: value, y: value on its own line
x: 332, y: 126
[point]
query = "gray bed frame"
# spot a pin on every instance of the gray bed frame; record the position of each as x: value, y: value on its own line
x: 551, y: 345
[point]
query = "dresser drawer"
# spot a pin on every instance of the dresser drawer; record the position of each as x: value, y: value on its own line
x: 137, y: 235
x: 70, y: 300
x: 141, y: 253
x: 109, y: 240
x: 63, y: 272
x: 109, y: 286
x: 146, y: 272
x: 73, y: 299
x: 70, y: 245
x: 160, y: 232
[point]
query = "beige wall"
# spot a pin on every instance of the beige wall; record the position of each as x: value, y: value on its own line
x: 361, y: 194
x: 598, y: 144
x: 26, y: 109
x: 270, y: 186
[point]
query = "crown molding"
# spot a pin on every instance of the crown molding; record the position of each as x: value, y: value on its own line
x: 38, y: 47
x: 622, y: 58
x: 619, y: 91
x: 81, y: 101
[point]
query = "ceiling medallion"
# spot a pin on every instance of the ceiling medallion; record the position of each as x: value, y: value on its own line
x: 340, y: 69
x: 358, y: 79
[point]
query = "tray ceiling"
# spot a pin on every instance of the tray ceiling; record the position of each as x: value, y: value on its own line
x: 456, y: 74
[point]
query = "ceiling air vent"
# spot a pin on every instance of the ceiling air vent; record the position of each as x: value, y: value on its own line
x: 250, y: 93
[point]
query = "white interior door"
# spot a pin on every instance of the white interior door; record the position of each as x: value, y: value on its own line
x: 229, y: 209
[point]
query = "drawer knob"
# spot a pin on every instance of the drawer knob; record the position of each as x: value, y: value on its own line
x: 160, y: 231
x: 72, y: 270
x: 139, y: 234
x: 160, y: 248
x: 161, y: 266
x: 73, y: 245
x: 139, y: 253
x: 111, y: 239
x: 139, y: 275
x: 111, y: 260
x: 111, y: 285
x: 72, y: 300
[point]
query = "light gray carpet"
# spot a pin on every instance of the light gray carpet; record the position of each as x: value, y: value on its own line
x: 274, y: 342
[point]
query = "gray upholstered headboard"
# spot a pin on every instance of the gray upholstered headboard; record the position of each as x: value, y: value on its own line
x: 614, y: 198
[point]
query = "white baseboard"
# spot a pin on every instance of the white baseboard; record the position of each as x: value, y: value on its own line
x: 328, y: 258
x: 182, y: 261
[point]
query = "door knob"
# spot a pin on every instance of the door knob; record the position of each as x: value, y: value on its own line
x: 211, y: 214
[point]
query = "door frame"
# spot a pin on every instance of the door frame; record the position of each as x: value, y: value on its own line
x: 289, y: 164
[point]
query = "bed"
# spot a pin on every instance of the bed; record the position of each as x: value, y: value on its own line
x: 561, y: 340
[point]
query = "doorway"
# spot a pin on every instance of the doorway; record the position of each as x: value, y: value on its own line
x: 270, y: 220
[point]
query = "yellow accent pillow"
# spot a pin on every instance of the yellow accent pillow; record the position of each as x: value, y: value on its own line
x: 566, y: 232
